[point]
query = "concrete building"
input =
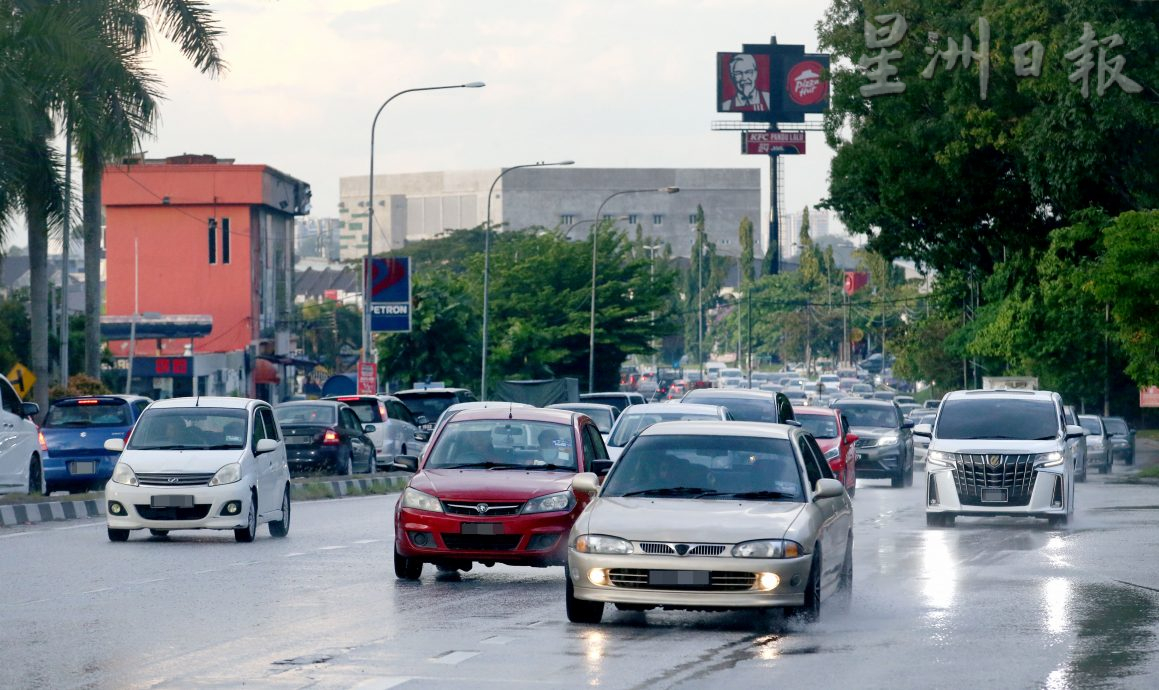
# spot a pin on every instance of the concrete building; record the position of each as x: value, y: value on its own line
x: 418, y: 206
x: 316, y: 238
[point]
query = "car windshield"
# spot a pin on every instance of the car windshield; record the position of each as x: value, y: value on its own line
x: 503, y: 444
x: 367, y: 409
x: 741, y: 409
x: 998, y: 418
x: 620, y: 402
x: 821, y: 426
x: 427, y: 405
x: 190, y: 428
x: 88, y: 413
x: 1090, y: 424
x: 632, y: 423
x: 307, y: 414
x: 861, y: 388
x: 879, y: 416
x: 711, y: 466
x: 1116, y: 426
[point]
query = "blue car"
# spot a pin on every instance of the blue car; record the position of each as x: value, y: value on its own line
x: 73, y: 439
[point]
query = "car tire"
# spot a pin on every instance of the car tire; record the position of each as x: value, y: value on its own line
x: 159, y: 532
x: 845, y: 583
x: 578, y: 610
x: 37, y: 486
x: 934, y: 520
x: 344, y: 467
x: 811, y: 611
x: 1081, y: 478
x: 909, y: 475
x: 372, y: 464
x: 1103, y: 469
x: 1130, y: 459
x: 118, y: 534
x: 246, y: 534
x: 897, y: 481
x: 407, y: 568
x: 280, y: 528
x: 1057, y: 521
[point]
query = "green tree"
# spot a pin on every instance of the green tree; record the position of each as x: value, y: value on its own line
x: 444, y: 340
x: 1127, y: 278
x: 745, y: 235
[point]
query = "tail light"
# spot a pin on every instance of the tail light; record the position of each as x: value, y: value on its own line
x: 40, y: 437
x: 330, y: 438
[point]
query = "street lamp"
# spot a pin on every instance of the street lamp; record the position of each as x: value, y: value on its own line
x: 595, y: 234
x: 366, y: 286
x: 487, y: 266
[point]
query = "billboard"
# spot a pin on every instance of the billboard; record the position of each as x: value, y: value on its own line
x: 743, y: 83
x: 772, y: 83
x: 805, y: 86
x: 855, y: 280
x: 1149, y: 397
x: 768, y: 143
x: 390, y: 295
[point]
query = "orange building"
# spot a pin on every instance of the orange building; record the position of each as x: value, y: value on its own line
x: 198, y: 235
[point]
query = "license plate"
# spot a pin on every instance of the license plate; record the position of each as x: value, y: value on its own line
x: 172, y: 501
x: 481, y: 528
x: 681, y: 578
x: 298, y: 440
x: 82, y: 468
x: 993, y: 495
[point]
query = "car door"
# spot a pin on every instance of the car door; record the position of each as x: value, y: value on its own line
x: 834, y: 511
x: 18, y: 441
x: 407, y: 428
x: 261, y: 464
x: 361, y: 446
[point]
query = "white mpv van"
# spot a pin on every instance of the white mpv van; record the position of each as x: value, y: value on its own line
x: 999, y: 452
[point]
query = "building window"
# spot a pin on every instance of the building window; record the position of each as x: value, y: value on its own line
x: 212, y: 240
x: 633, y: 218
x: 354, y: 226
x: 657, y: 219
x: 692, y: 219
x: 567, y: 219
x: 606, y: 217
x: 225, y: 240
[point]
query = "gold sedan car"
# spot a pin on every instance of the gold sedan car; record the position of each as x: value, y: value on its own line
x: 712, y: 515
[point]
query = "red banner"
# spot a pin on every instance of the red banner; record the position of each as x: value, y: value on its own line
x: 367, y: 378
x: 769, y: 143
x: 1149, y: 397
x: 855, y: 280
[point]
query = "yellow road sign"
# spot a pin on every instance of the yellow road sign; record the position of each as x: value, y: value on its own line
x: 22, y: 379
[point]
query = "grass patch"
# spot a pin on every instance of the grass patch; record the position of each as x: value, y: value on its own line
x: 1151, y: 472
x: 1152, y: 434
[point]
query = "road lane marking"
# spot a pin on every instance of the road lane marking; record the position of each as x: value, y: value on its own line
x: 148, y: 582
x: 15, y: 534
x: 95, y: 524
x: 97, y: 591
x: 382, y: 683
x: 294, y: 555
x: 331, y: 548
x: 497, y: 639
x: 367, y: 541
x: 454, y: 658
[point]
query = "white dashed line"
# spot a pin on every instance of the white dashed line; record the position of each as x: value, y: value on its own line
x: 382, y: 683
x: 453, y: 658
x: 367, y: 541
x: 97, y: 591
x: 294, y: 555
x: 331, y: 548
x: 498, y: 639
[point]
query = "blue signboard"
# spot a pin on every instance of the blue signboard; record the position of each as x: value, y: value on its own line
x: 390, y: 290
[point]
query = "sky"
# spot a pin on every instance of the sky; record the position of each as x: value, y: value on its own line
x: 607, y: 83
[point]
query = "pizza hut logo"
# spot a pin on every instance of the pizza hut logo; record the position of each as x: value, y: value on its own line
x: 805, y: 85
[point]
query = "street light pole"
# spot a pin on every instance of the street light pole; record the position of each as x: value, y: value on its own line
x: 595, y: 235
x: 366, y: 286
x: 487, y: 267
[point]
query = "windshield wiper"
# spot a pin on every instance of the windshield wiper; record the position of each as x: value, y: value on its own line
x: 756, y: 495
x: 549, y: 466
x: 487, y: 465
x: 224, y: 446
x: 672, y: 491
x: 168, y: 448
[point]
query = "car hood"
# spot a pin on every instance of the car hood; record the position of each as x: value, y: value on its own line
x: 979, y: 446
x: 180, y: 461
x: 873, y: 432
x: 689, y: 520
x: 494, y: 485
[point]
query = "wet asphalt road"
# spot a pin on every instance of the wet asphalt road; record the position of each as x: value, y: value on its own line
x: 999, y: 603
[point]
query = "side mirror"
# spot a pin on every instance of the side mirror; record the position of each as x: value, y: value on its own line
x: 115, y: 445
x: 828, y: 488
x: 422, y: 436
x: 406, y: 463
x: 907, y: 424
x: 1075, y: 431
x: 925, y: 430
x: 586, y: 483
x: 421, y: 420
x: 600, y: 467
x: 792, y: 422
x: 265, y: 446
x: 851, y: 438
x: 29, y: 409
x: 368, y: 428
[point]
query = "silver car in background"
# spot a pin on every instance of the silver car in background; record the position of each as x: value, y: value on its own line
x: 1098, y: 443
x: 639, y: 417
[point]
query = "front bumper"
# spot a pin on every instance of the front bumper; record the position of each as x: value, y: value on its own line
x: 793, y: 574
x: 942, y: 496
x: 880, y: 462
x: 539, y: 538
x: 1098, y: 458
x: 209, y: 503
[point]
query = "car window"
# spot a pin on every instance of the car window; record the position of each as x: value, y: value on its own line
x: 998, y: 418
x: 430, y: 406
x: 818, y: 457
x: 259, y: 430
x: 366, y: 409
x: 306, y: 414
x: 1116, y: 426
x: 190, y: 428
x: 139, y: 406
x: 589, y: 447
x: 811, y: 468
x: 399, y: 411
x: 821, y: 426
x: 630, y: 424
x: 88, y: 412
x: 1091, y: 425
x: 271, y: 426
x: 742, y: 409
x: 878, y: 416
x: 350, y: 421
x: 503, y: 443
x: 9, y: 398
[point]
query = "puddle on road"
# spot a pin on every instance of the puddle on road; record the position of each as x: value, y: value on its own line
x: 1115, y: 639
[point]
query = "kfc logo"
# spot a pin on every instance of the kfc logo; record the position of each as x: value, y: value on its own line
x: 804, y: 83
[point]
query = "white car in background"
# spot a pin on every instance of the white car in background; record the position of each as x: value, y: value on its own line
x: 200, y: 463
x: 21, y: 469
x: 395, y: 431
x: 639, y: 417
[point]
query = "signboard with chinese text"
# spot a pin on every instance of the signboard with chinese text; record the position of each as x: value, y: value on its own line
x: 390, y: 290
x: 766, y: 143
x: 1149, y: 397
x: 163, y: 367
x: 367, y: 378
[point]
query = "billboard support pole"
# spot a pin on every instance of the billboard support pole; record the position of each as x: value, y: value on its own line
x: 773, y: 255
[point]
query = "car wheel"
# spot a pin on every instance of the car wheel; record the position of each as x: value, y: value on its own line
x: 372, y: 463
x: 246, y: 534
x: 345, y: 465
x: 578, y: 610
x: 1058, y: 520
x: 934, y: 520
x: 407, y: 568
x: 159, y: 532
x: 118, y: 534
x: 846, y: 579
x: 36, y: 483
x: 1129, y: 460
x: 811, y: 611
x: 1103, y: 469
x: 280, y: 528
x: 851, y: 490
x: 897, y: 481
x: 909, y: 476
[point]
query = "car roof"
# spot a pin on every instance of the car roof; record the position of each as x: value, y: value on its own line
x: 430, y: 391
x: 666, y: 408
x: 512, y: 411
x: 206, y: 401
x: 1001, y: 393
x: 729, y: 393
x: 876, y: 402
x: 589, y: 396
x: 809, y: 409
x: 581, y: 406
x: 719, y: 428
x: 303, y: 403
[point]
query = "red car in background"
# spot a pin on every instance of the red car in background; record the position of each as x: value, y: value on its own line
x: 832, y: 433
x: 495, y: 487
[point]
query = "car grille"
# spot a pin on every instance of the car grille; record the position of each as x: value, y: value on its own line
x: 664, y: 549
x: 481, y: 542
x: 173, y: 479
x: 973, y: 472
x: 721, y: 581
x: 197, y: 512
x: 472, y: 508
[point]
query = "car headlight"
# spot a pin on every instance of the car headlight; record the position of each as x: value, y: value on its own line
x: 413, y: 498
x: 551, y: 503
x: 123, y: 474
x: 887, y: 441
x: 1049, y: 460
x: 832, y: 453
x: 227, y: 475
x: 767, y: 548
x: 939, y: 459
x: 599, y: 543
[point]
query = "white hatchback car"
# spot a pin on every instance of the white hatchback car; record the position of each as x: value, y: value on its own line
x: 21, y: 469
x: 200, y: 463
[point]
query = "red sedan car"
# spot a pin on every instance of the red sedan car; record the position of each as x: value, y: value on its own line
x: 494, y: 486
x: 832, y: 434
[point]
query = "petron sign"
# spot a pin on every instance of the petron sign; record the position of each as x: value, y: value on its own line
x: 768, y: 143
x: 390, y: 290
x: 772, y: 83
